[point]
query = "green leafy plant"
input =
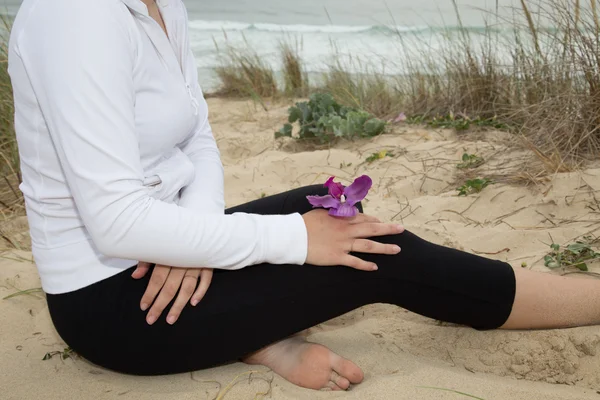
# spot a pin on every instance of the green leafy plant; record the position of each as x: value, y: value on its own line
x: 474, y: 186
x: 470, y: 161
x: 573, y: 255
x: 324, y: 119
x: 379, y: 156
x: 66, y: 353
x: 459, y: 122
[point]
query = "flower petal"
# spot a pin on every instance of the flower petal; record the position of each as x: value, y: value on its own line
x: 323, y: 201
x: 358, y: 190
x: 400, y: 118
x: 345, y: 210
x: 336, y: 189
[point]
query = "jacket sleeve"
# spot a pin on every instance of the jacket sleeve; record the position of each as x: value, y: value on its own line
x: 206, y: 193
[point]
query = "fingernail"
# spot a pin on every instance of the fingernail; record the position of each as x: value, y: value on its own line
x: 375, y: 268
x: 400, y: 228
x: 397, y: 249
x: 151, y: 319
x: 171, y: 319
x: 195, y: 302
x: 144, y: 306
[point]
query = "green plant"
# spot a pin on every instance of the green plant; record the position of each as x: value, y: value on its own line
x: 474, y: 186
x: 459, y: 122
x: 64, y: 354
x: 470, y: 161
x: 379, y: 155
x: 323, y: 118
x: 573, y: 255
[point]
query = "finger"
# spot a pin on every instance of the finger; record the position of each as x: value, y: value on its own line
x: 167, y: 293
x: 157, y: 280
x: 362, y: 218
x: 205, y: 281
x: 371, y: 229
x: 372, y: 247
x: 357, y: 263
x: 190, y: 281
x: 141, y: 270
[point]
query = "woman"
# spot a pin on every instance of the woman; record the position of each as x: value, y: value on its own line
x: 120, y: 167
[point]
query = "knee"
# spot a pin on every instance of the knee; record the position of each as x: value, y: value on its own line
x: 315, y: 190
x: 360, y: 207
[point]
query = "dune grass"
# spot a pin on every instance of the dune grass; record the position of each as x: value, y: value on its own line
x: 371, y: 92
x: 244, y: 74
x: 547, y: 91
x: 10, y: 196
x: 294, y: 76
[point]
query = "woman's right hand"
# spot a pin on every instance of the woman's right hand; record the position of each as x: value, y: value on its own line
x: 331, y: 239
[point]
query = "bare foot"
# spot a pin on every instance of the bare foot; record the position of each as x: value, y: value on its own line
x: 308, y: 365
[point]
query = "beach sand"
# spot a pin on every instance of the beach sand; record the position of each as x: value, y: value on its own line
x: 403, y: 355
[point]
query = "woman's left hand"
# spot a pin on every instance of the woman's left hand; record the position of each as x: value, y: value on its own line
x: 170, y: 281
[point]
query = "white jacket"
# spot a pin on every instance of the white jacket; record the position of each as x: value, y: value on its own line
x: 118, y: 159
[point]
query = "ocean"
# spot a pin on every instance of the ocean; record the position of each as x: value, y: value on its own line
x: 367, y: 32
x: 363, y: 33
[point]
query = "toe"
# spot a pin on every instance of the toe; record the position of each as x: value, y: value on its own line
x: 347, y: 369
x: 331, y: 385
x: 340, y: 381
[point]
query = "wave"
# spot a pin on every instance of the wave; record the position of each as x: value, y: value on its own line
x: 202, y: 25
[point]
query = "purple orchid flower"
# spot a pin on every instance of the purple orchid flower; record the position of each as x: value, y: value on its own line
x: 341, y: 200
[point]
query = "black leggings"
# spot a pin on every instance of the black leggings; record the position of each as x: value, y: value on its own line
x: 248, y: 309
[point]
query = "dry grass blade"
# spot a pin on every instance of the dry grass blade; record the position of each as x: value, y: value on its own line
x: 371, y: 92
x: 11, y: 199
x: 243, y: 73
x: 9, y: 155
x: 531, y: 25
x: 23, y: 293
x: 295, y: 78
x: 235, y: 381
x: 451, y: 391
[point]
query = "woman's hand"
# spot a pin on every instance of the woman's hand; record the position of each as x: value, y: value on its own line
x: 168, y: 281
x: 331, y: 239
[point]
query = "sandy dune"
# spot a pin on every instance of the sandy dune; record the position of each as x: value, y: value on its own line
x: 402, y: 354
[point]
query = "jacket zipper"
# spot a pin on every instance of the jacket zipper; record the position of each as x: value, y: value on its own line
x: 193, y: 100
x: 195, y: 103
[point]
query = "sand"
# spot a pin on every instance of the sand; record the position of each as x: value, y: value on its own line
x: 403, y: 355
